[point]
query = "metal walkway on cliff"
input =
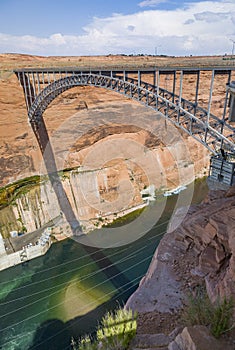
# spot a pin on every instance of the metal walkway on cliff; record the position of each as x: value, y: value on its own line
x: 200, y: 101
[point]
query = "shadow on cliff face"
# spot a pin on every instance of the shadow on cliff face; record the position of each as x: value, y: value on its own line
x: 57, y: 335
x: 40, y: 131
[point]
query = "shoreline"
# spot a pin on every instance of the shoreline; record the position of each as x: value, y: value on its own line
x: 34, y: 251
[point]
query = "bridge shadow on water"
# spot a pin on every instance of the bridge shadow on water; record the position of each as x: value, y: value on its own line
x: 50, y: 328
x: 96, y: 254
x: 57, y: 335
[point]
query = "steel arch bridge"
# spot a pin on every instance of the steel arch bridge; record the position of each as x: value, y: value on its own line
x: 42, y: 86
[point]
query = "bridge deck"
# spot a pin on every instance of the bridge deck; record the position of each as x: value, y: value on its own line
x: 163, y: 70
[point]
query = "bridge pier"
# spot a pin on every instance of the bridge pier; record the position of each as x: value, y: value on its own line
x: 231, y: 89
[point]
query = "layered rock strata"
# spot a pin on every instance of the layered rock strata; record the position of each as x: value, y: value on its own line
x: 200, y: 251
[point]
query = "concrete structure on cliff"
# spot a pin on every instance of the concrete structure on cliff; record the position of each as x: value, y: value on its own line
x: 2, y: 247
x: 26, y: 253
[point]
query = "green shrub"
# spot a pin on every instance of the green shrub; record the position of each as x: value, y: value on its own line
x: 117, y: 329
x: 222, y: 317
x: 12, y: 191
x: 200, y: 311
x: 125, y: 219
x: 87, y: 344
x: 114, y: 332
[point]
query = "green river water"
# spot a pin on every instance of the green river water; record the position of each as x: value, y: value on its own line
x: 66, y: 292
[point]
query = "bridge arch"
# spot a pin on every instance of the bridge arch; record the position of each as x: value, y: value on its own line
x: 183, y: 113
x: 130, y: 89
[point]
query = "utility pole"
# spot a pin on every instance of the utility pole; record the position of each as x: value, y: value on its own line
x: 156, y: 49
x: 233, y: 41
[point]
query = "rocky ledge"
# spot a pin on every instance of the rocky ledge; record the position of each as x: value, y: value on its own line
x: 201, y: 251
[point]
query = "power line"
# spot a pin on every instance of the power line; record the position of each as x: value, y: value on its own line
x: 134, y: 254
x: 118, y: 295
x: 69, y: 262
x: 106, y: 281
x: 75, y: 297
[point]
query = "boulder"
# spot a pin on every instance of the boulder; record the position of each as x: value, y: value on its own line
x: 196, y: 338
x: 150, y: 341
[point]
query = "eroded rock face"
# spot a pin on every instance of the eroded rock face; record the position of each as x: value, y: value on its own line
x: 127, y: 147
x: 211, y: 232
x: 196, y: 338
x: 19, y: 152
x: 161, y: 289
x: 77, y: 119
x: 201, y: 249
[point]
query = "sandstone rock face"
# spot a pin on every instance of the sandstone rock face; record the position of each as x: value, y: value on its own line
x: 201, y: 250
x: 145, y: 341
x: 160, y: 289
x: 114, y: 163
x: 73, y: 129
x: 19, y: 152
x: 96, y: 110
x: 92, y: 195
x: 122, y: 146
x: 211, y: 230
x: 196, y: 338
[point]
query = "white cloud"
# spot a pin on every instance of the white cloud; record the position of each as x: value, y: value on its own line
x: 151, y: 3
x: 211, y: 17
x: 198, y: 28
x: 189, y: 21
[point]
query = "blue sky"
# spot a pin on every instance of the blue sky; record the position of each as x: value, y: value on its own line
x: 95, y: 27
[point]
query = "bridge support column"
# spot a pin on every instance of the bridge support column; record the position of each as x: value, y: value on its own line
x: 196, y: 92
x: 231, y: 89
x: 174, y: 85
x: 180, y: 95
x: 210, y: 97
x: 139, y: 78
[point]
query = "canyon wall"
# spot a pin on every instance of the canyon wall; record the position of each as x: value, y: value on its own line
x: 102, y: 188
x: 95, y: 109
x: 200, y: 251
x: 75, y: 120
x: 118, y: 146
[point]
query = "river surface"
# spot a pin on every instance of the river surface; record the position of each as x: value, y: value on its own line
x: 67, y: 291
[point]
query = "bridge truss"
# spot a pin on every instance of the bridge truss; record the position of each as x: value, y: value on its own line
x: 181, y: 103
